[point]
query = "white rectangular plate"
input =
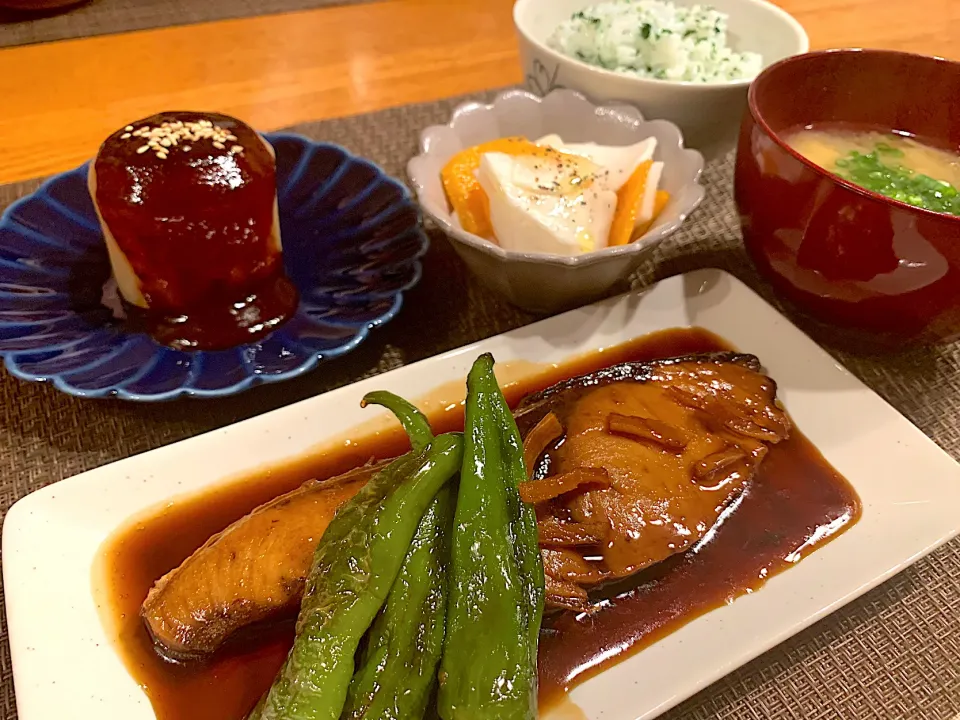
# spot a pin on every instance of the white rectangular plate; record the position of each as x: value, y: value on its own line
x: 64, y: 664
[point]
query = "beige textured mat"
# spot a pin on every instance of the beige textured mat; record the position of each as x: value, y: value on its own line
x: 893, y: 654
x: 104, y: 17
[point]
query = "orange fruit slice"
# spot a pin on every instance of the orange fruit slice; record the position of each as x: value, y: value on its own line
x: 623, y: 229
x: 459, y: 177
x: 659, y: 202
x: 628, y: 204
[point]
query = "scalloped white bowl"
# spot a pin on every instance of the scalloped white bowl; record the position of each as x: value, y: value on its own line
x: 537, y: 281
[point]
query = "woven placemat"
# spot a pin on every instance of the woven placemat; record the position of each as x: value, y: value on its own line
x: 893, y: 654
x: 103, y: 17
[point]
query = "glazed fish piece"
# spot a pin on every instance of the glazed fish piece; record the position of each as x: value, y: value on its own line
x: 252, y: 571
x: 640, y: 461
x: 678, y: 440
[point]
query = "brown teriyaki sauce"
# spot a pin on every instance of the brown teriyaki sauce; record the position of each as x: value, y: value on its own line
x: 796, y: 504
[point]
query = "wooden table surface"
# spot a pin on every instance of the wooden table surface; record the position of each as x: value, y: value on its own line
x: 60, y: 99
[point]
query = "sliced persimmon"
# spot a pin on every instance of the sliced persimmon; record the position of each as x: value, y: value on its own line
x: 629, y: 197
x: 660, y: 201
x: 463, y: 191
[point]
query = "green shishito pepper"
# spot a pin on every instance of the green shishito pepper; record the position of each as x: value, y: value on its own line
x: 489, y: 665
x: 414, y: 422
x: 354, y: 568
x: 524, y: 523
x: 398, y: 667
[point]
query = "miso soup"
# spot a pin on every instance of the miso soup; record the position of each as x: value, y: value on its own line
x: 891, y: 164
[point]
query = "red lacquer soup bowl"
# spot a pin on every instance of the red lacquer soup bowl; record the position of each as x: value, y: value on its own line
x: 842, y: 254
x: 31, y: 5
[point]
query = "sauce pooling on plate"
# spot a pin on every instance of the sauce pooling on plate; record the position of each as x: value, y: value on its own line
x: 892, y: 164
x: 796, y: 504
x: 188, y: 205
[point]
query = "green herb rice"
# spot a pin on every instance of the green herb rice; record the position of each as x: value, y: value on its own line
x: 655, y: 39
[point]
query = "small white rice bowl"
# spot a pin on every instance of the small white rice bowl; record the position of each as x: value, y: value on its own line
x: 655, y: 39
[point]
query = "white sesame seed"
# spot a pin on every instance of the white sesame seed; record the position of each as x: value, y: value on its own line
x: 219, y: 145
x: 142, y: 149
x: 162, y: 155
x: 165, y: 142
x: 237, y: 149
x: 129, y: 128
x: 125, y: 136
x: 186, y: 148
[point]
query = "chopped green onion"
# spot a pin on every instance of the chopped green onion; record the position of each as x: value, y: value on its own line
x: 874, y: 173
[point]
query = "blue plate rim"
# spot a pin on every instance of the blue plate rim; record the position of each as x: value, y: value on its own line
x: 255, y: 380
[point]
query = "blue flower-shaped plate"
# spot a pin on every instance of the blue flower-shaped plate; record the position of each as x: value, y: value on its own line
x: 352, y: 240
